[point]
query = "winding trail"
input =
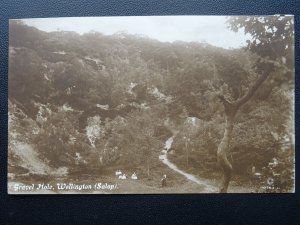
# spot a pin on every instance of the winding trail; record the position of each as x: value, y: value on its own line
x: 164, y: 158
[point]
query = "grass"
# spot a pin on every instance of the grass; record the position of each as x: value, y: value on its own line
x: 238, y: 184
x: 175, y: 182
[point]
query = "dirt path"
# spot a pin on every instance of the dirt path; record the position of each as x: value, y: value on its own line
x: 164, y: 158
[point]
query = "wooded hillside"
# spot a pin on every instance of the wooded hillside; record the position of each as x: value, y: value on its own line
x: 92, y: 103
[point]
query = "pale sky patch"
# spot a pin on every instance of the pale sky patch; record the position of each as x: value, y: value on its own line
x: 209, y: 29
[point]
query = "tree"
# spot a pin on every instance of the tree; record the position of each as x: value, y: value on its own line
x: 142, y: 127
x: 272, y: 40
x: 58, y: 141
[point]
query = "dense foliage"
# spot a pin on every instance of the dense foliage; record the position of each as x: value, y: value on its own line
x: 98, y: 101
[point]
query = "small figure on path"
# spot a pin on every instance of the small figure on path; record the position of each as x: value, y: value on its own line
x: 164, y: 181
x: 118, y: 173
x: 134, y: 176
x: 122, y: 177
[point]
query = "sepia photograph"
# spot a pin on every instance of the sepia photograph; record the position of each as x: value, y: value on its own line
x: 151, y: 104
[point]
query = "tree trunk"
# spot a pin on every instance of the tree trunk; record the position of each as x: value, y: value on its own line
x: 231, y: 109
x: 222, y: 154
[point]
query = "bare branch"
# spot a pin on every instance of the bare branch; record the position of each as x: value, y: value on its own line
x: 252, y: 90
x: 223, y: 100
x: 230, y: 107
x: 260, y: 80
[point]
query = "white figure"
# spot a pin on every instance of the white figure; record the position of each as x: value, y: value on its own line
x: 118, y: 173
x: 253, y: 170
x: 134, y: 176
x: 124, y: 177
x: 275, y: 161
x: 120, y: 177
x: 78, y: 158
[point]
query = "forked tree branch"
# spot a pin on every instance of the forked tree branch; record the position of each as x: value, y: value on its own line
x: 252, y: 90
x: 223, y: 100
x: 230, y: 107
x: 238, y: 103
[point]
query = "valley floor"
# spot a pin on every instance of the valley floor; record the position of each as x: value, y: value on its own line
x: 176, y: 183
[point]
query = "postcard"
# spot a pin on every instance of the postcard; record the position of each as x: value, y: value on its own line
x: 151, y: 104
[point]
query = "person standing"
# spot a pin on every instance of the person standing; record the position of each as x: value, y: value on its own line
x: 164, y: 181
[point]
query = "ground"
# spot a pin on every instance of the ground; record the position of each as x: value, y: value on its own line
x: 179, y: 178
x: 176, y: 183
